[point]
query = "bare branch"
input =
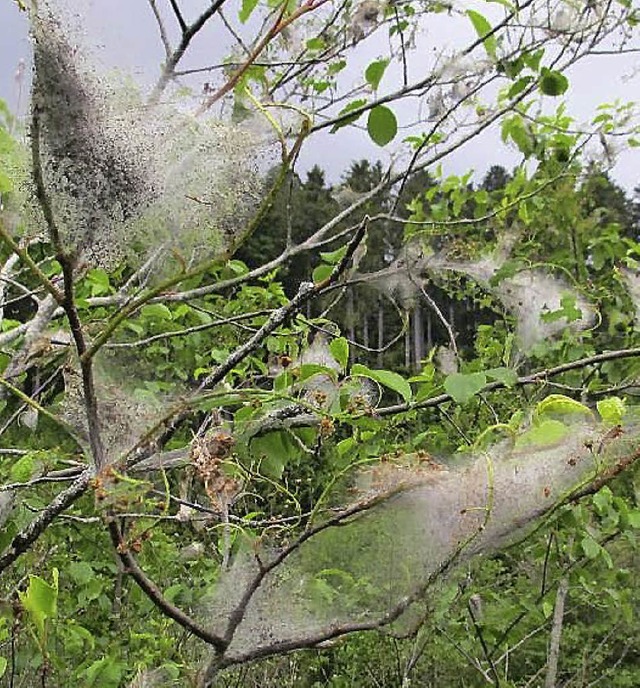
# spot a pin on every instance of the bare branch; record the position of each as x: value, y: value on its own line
x: 187, y: 36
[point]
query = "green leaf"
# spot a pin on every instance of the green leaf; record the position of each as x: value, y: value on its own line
x: 602, y: 499
x: 543, y: 434
x: 274, y: 449
x: 99, y: 281
x: 374, y: 72
x: 590, y: 547
x: 611, y: 410
x: 553, y: 83
x: 315, y: 43
x: 321, y: 273
x: 462, y: 387
x: 532, y: 60
x: 386, y: 378
x: 567, y: 310
x: 547, y: 609
x: 80, y: 571
x: 156, y: 310
x: 483, y: 28
x: 507, y: 376
x: 103, y: 673
x: 339, y: 349
x: 382, y: 125
x: 23, y: 469
x: 3, y: 666
x: 334, y: 257
x: 561, y: 405
x: 40, y: 599
x: 353, y: 105
x: 247, y: 9
x: 346, y: 446
x: 519, y: 86
x: 309, y: 370
x: 634, y: 518
x: 336, y: 67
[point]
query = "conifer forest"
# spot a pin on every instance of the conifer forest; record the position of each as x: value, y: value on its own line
x: 268, y: 424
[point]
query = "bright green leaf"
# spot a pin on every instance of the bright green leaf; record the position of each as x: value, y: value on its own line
x: 544, y: 434
x: 561, y: 405
x: 382, y: 125
x: 321, y: 273
x: 40, y: 599
x: 339, y: 349
x: 611, y: 410
x: 483, y: 28
x: 334, y: 257
x: 247, y: 9
x: 315, y: 43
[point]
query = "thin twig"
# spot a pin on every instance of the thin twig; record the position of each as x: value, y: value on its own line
x: 163, y: 33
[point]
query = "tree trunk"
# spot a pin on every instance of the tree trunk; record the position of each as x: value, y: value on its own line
x: 351, y: 329
x: 380, y: 332
x: 556, y: 633
x: 365, y: 330
x: 418, y: 338
x: 407, y: 342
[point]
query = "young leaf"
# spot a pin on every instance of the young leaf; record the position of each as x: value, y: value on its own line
x: 382, y: 125
x: 483, y: 28
x: 315, y: 43
x: 611, y: 410
x: 544, y: 434
x: 463, y: 387
x: 562, y: 405
x: 321, y: 273
x: 247, y: 9
x: 339, y: 349
x: 386, y: 378
x: 375, y: 72
x: 353, y: 105
x: 334, y: 257
x: 40, y: 599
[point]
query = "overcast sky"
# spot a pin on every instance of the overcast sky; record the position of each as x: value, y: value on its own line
x: 124, y: 35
